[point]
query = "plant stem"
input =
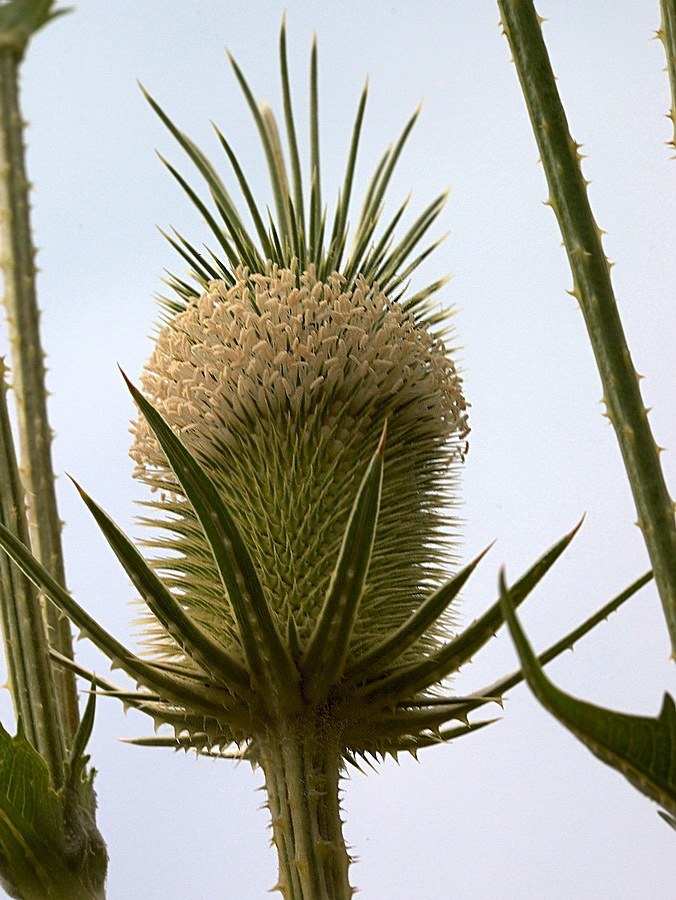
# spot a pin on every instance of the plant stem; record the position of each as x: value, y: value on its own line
x: 301, y: 762
x: 28, y: 371
x: 594, y: 291
x: 28, y: 663
x: 667, y: 35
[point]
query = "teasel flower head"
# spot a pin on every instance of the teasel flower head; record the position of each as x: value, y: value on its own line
x: 281, y: 371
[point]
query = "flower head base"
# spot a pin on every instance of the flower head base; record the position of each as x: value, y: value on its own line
x: 281, y: 393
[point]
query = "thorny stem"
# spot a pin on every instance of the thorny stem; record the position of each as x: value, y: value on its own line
x: 28, y: 663
x: 667, y: 35
x: 301, y: 762
x: 594, y: 291
x: 28, y: 375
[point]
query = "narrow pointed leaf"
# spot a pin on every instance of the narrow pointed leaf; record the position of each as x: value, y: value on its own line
x: 382, y: 656
x: 399, y: 278
x: 296, y: 174
x: 641, y: 748
x: 358, y: 242
x: 209, y: 219
x: 412, y: 237
x: 495, y: 691
x: 375, y: 198
x: 409, y: 722
x: 414, y: 302
x: 218, y: 190
x: 460, y: 650
x: 248, y: 196
x: 327, y: 649
x: 183, y: 742
x: 339, y: 236
x: 444, y: 736
x: 315, y: 170
x: 152, y: 704
x: 267, y: 658
x: 277, y: 160
x: 76, y: 758
x: 200, y: 267
x: 166, y: 608
x: 670, y: 820
x: 280, y: 190
x: 378, y: 253
x: 117, y: 653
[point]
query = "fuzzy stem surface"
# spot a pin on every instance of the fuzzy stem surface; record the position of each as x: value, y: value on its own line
x: 594, y: 291
x: 301, y: 762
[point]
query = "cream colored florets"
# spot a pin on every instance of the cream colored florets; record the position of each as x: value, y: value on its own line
x: 280, y: 385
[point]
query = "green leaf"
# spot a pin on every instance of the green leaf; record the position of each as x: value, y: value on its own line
x: 142, y: 671
x: 220, y: 195
x: 77, y: 759
x: 34, y: 860
x: 276, y: 167
x: 444, y: 736
x: 641, y: 748
x: 418, y: 676
x: 166, y: 608
x: 316, y: 231
x: 327, y: 649
x: 268, y: 660
x: 248, y: 196
x: 495, y: 691
x: 186, y: 742
x: 339, y: 235
x: 220, y: 235
x: 378, y: 659
x: 291, y: 129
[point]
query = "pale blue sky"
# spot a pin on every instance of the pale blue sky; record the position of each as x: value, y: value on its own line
x: 520, y: 811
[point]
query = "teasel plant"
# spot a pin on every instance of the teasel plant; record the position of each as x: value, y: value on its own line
x: 302, y: 425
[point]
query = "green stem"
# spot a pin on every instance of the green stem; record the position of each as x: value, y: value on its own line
x: 28, y: 663
x: 593, y: 289
x: 301, y: 762
x: 667, y: 35
x: 28, y: 375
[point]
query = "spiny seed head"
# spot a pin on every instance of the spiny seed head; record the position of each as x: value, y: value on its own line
x: 280, y: 386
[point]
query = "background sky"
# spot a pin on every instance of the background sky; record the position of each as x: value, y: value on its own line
x: 521, y: 809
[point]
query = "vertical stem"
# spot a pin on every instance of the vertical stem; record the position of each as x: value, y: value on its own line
x: 28, y: 375
x: 301, y: 762
x: 667, y: 35
x: 594, y: 291
x: 28, y: 662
